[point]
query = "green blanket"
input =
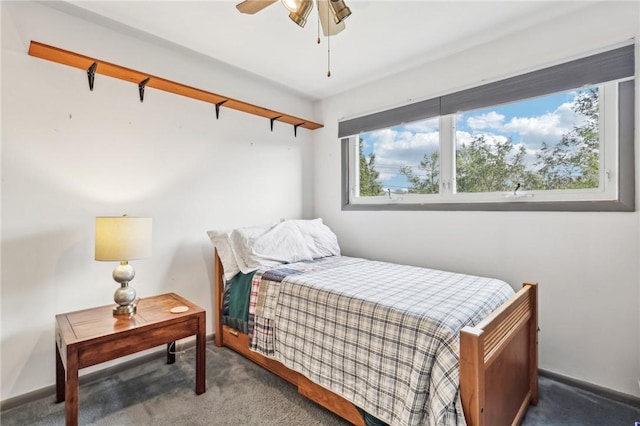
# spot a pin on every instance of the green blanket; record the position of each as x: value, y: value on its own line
x: 235, y: 305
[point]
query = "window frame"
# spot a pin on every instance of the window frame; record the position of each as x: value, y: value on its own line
x: 617, y: 149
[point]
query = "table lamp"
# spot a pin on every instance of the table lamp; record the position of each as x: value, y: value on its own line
x: 123, y: 239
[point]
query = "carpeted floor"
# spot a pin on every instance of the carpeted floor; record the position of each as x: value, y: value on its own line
x: 241, y: 393
x: 563, y: 405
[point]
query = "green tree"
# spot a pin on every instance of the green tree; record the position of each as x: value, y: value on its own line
x: 430, y: 167
x: 369, y: 184
x: 480, y: 166
x: 491, y: 167
x: 574, y: 162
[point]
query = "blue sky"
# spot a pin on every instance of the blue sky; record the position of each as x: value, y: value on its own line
x: 527, y: 123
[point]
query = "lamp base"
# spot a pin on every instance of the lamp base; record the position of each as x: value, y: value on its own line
x: 125, y: 296
x: 124, y: 310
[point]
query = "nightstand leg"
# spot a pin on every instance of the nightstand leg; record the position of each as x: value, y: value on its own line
x: 200, y: 355
x: 171, y: 353
x: 71, y: 388
x: 59, y: 376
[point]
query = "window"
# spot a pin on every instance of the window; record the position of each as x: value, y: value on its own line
x: 542, y: 141
x: 399, y: 160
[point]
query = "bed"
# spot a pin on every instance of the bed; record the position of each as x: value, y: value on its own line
x: 375, y: 342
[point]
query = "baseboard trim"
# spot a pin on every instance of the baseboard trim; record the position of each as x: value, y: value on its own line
x: 595, y: 389
x: 47, y: 391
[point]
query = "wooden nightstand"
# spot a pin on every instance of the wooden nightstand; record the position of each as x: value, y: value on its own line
x: 92, y: 336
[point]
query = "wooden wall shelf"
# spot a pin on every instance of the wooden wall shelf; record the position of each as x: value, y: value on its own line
x: 143, y: 80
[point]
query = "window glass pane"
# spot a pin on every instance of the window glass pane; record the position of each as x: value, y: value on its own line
x: 399, y: 160
x: 546, y: 143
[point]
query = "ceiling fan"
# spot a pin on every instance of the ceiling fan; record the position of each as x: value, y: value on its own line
x: 299, y: 11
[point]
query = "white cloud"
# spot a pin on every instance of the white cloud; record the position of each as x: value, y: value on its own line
x: 490, y: 120
x: 547, y: 128
x: 547, y: 125
x: 530, y: 131
x: 464, y: 138
x: 395, y: 149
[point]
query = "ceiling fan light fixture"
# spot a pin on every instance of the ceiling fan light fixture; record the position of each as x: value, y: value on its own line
x: 340, y: 10
x: 300, y: 15
x: 291, y: 5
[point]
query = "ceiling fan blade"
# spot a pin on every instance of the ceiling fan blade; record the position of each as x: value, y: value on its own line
x: 329, y: 27
x: 253, y: 6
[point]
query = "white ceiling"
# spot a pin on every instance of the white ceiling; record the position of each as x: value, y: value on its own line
x: 381, y: 37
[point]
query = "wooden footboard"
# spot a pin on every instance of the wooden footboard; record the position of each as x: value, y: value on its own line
x: 498, y: 362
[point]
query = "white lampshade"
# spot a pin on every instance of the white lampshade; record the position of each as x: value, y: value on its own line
x: 123, y: 238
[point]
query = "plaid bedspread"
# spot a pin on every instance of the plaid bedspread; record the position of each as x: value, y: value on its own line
x: 265, y: 288
x: 381, y: 335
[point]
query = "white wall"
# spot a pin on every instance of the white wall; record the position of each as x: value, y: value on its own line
x: 586, y: 263
x: 69, y: 155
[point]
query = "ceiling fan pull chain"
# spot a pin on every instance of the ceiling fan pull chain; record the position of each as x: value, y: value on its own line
x: 328, y: 47
x: 318, y: 15
x: 328, y: 56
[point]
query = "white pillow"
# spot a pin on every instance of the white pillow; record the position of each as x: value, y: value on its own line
x: 249, y: 248
x: 320, y: 239
x: 268, y: 246
x: 242, y: 242
x: 222, y: 243
x: 284, y: 243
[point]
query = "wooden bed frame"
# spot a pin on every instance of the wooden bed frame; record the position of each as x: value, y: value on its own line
x: 498, y: 362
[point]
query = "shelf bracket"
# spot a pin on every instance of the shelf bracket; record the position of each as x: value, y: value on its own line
x: 218, y: 108
x: 295, y: 129
x: 141, y: 87
x: 91, y: 74
x: 274, y: 119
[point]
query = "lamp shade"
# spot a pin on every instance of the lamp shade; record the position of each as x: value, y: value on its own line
x: 123, y: 238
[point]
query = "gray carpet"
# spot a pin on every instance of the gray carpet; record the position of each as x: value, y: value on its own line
x: 241, y: 393
x: 563, y: 405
